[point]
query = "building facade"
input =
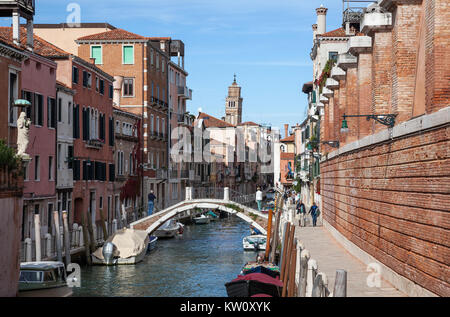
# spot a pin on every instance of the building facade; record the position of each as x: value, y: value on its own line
x: 385, y: 190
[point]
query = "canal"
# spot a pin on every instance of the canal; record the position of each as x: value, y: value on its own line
x: 196, y: 264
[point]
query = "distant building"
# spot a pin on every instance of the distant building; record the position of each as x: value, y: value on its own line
x: 233, y: 104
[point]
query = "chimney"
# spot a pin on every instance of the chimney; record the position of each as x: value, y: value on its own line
x: 16, y: 27
x: 286, y: 130
x: 117, y: 85
x: 314, y: 28
x: 321, y: 19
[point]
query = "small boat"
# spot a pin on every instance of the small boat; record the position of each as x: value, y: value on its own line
x: 168, y: 229
x: 254, y: 284
x: 152, y: 243
x: 126, y: 246
x: 43, y: 279
x: 261, y: 267
x: 212, y: 215
x: 254, y: 242
x: 201, y: 220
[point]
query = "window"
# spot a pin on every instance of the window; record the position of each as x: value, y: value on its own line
x: 102, y: 87
x: 50, y: 168
x: 97, y: 84
x: 157, y: 61
x: 69, y: 113
x: 76, y: 121
x: 30, y: 110
x: 39, y: 109
x: 59, y: 110
x: 162, y: 64
x: 128, y: 54
x: 70, y: 157
x: 152, y: 119
x: 151, y: 56
x: 75, y: 75
x: 37, y: 173
x: 87, y: 79
x: 59, y: 158
x: 51, y: 112
x: 13, y: 94
x: 111, y: 91
x: 333, y: 56
x: 96, y: 53
x: 128, y: 87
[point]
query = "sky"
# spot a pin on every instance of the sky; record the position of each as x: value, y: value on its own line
x: 266, y: 43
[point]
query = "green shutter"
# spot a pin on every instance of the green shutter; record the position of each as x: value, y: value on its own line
x: 128, y: 54
x: 96, y: 52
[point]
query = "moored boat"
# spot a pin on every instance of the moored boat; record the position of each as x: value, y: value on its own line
x: 254, y: 242
x: 261, y: 267
x: 168, y: 229
x: 43, y: 279
x: 201, y: 220
x: 126, y: 246
x: 152, y: 243
x: 254, y: 284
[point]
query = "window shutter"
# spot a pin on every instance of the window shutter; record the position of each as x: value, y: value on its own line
x: 76, y: 170
x: 96, y: 53
x: 53, y: 106
x: 128, y: 55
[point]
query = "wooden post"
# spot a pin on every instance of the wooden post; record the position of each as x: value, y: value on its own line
x: 284, y: 251
x: 275, y: 231
x: 66, y: 237
x: 105, y: 232
x: 292, y: 270
x: 86, y: 239
x: 48, y: 245
x: 37, y: 236
x: 91, y: 233
x: 28, y: 250
x: 340, y: 284
x: 58, y: 235
x: 269, y: 231
x: 287, y: 261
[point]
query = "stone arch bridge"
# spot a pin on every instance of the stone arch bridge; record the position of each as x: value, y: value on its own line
x: 186, y: 207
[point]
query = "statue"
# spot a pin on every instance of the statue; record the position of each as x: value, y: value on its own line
x: 23, y: 128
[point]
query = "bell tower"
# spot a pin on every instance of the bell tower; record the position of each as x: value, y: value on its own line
x: 233, y: 105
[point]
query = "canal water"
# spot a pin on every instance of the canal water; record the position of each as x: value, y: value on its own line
x: 196, y: 264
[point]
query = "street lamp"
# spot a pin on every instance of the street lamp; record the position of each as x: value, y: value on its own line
x: 385, y: 119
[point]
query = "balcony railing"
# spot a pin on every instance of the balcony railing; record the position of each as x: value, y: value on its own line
x: 161, y: 173
x: 94, y: 144
x: 185, y: 92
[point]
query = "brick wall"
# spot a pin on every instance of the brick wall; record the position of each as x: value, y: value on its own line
x: 393, y: 201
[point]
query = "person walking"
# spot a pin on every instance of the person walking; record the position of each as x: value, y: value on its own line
x: 151, y: 203
x: 314, y: 211
x: 259, y: 198
x: 301, y: 211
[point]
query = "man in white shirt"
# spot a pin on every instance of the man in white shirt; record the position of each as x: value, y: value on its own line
x: 259, y: 197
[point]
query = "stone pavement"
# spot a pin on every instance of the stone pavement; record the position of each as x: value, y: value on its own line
x: 332, y: 256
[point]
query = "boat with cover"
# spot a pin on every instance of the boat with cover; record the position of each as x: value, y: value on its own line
x: 212, y: 215
x: 126, y: 246
x: 43, y: 279
x: 261, y: 267
x: 254, y: 242
x: 254, y: 284
x: 168, y: 229
x: 201, y: 220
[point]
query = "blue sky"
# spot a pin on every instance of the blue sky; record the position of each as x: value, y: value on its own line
x: 266, y: 43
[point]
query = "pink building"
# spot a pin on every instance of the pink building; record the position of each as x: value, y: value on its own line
x: 38, y: 85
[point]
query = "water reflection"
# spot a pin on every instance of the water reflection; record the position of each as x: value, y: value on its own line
x: 198, y: 264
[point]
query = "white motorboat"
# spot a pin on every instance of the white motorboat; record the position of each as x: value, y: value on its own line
x: 43, y: 279
x: 201, y: 220
x: 168, y: 229
x: 126, y: 246
x: 254, y: 242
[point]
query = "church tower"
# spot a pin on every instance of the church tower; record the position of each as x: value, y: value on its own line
x: 233, y: 105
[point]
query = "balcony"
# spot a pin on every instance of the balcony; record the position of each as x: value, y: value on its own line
x: 184, y: 174
x: 327, y: 92
x: 173, y: 174
x: 359, y: 44
x: 26, y: 7
x: 376, y: 21
x: 161, y: 173
x: 184, y: 92
x: 337, y: 73
x: 346, y: 61
x: 94, y: 144
x: 323, y: 99
x: 332, y: 84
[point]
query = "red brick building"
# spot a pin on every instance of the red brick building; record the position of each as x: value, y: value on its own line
x: 386, y: 189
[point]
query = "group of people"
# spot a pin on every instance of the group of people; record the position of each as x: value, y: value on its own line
x: 293, y: 197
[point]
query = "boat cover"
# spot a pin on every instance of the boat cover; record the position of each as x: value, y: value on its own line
x: 129, y: 242
x: 259, y: 277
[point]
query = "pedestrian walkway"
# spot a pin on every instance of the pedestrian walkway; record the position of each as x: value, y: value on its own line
x: 332, y: 256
